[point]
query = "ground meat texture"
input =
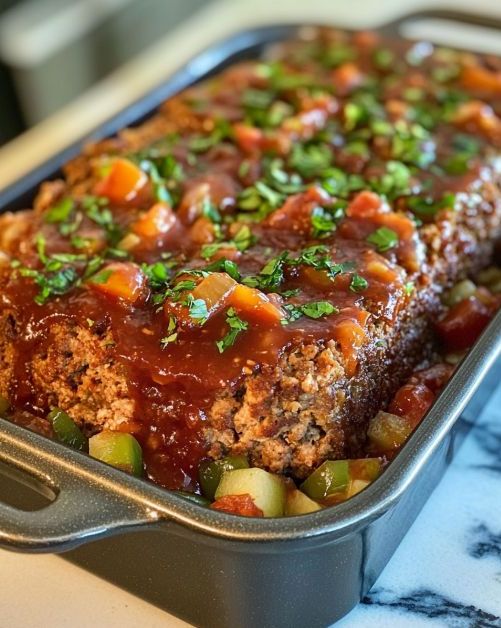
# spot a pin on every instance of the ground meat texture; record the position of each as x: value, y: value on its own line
x: 258, y: 267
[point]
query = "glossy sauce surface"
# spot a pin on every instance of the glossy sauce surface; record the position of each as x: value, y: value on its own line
x: 329, y: 171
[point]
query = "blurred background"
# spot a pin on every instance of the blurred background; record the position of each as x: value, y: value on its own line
x: 53, y: 50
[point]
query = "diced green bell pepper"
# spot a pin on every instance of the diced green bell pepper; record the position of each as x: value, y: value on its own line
x: 331, y: 477
x: 4, y: 406
x: 299, y: 504
x: 210, y: 472
x: 266, y: 490
x: 193, y: 497
x: 119, y: 449
x: 66, y: 430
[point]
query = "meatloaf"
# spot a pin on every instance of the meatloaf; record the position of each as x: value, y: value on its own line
x: 258, y: 267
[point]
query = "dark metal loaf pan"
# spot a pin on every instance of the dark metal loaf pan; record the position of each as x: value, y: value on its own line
x: 207, y: 567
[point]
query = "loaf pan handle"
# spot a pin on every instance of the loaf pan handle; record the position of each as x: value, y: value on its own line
x: 89, y: 501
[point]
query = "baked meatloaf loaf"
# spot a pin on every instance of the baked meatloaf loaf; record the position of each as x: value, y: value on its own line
x: 256, y: 269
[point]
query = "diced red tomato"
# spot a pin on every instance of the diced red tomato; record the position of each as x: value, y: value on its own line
x: 463, y: 324
x: 122, y: 280
x: 155, y: 222
x: 255, y: 306
x: 434, y: 378
x: 242, y: 505
x: 123, y: 182
x: 412, y: 401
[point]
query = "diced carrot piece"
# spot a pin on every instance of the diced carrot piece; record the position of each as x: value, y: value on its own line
x: 249, y: 138
x: 242, y: 505
x: 478, y: 115
x: 155, y: 222
x: 347, y: 77
x: 317, y: 278
x: 412, y: 401
x: 123, y: 182
x: 402, y: 225
x: 364, y: 205
x: 350, y: 336
x: 378, y: 269
x: 476, y: 77
x: 255, y: 306
x: 202, y: 231
x: 366, y: 39
x: 122, y: 280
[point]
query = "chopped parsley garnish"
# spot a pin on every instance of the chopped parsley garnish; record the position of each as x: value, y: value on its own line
x: 260, y: 199
x: 465, y: 149
x: 324, y: 220
x: 171, y: 332
x: 225, y: 266
x: 210, y: 211
x: 412, y: 144
x: 314, y: 309
x: 383, y: 239
x: 197, y: 308
x: 317, y: 256
x: 337, y: 183
x: 358, y: 283
x: 61, y: 212
x: 59, y: 274
x: 202, y: 143
x: 160, y: 191
x: 394, y: 182
x: 242, y: 240
x: 409, y: 288
x: 336, y: 54
x: 98, y: 211
x: 310, y: 160
x: 54, y: 284
x: 236, y: 325
x: 263, y: 109
x: 425, y: 207
x: 383, y: 58
x: 323, y: 223
x: 101, y: 277
x: 158, y: 274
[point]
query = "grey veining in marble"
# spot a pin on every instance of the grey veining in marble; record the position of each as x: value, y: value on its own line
x: 447, y: 571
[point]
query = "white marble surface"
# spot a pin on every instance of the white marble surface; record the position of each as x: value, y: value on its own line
x: 447, y: 571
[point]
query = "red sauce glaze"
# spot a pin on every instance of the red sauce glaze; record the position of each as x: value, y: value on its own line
x: 372, y: 256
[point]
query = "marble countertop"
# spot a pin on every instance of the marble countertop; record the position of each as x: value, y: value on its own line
x: 446, y: 572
